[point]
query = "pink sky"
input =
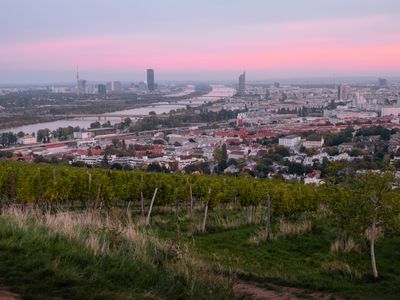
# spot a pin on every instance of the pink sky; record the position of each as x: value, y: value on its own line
x: 350, y: 45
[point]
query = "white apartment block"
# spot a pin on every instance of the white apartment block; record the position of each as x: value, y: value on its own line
x: 290, y: 141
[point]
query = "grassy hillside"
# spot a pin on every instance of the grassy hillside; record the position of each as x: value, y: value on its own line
x: 76, y: 232
x: 92, y: 255
x: 306, y: 260
x: 74, y: 256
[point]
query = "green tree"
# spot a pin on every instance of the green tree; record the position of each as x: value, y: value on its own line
x: 43, y: 135
x: 95, y: 125
x: 369, y: 204
x: 221, y: 158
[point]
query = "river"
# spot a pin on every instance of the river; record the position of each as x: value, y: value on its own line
x: 163, y: 107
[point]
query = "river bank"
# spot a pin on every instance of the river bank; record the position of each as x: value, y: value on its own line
x: 160, y: 108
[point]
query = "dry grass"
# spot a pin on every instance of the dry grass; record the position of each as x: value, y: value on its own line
x: 345, y: 246
x: 227, y: 221
x: 99, y: 232
x: 260, y: 236
x: 299, y: 227
x: 344, y: 269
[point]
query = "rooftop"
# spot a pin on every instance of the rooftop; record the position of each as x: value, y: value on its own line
x: 314, y: 138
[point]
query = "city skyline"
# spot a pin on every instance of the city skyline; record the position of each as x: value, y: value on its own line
x: 213, y: 40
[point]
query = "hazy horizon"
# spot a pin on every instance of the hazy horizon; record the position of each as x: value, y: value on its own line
x: 188, y: 80
x: 69, y: 78
x: 43, y: 41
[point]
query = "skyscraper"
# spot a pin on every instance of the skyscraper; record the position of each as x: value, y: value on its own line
x: 81, y: 86
x: 342, y: 92
x: 101, y: 89
x: 242, y: 84
x: 150, y: 80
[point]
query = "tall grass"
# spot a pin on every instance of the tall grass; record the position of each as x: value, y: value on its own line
x: 342, y: 269
x: 105, y: 235
x: 299, y: 227
x: 345, y: 246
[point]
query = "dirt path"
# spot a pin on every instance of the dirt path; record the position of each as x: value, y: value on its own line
x: 6, y: 295
x: 250, y: 291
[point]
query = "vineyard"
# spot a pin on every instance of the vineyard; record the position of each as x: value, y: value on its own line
x: 56, y: 185
x: 197, y: 236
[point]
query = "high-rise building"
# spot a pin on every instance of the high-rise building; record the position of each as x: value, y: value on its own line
x: 101, y: 89
x: 359, y: 100
x: 81, y: 86
x: 342, y: 92
x: 114, y: 87
x: 150, y: 80
x: 382, y: 82
x: 242, y: 83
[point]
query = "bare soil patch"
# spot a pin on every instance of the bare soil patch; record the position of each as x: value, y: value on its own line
x: 250, y: 291
x: 6, y: 295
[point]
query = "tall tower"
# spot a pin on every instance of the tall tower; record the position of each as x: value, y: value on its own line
x: 150, y: 80
x: 242, y: 83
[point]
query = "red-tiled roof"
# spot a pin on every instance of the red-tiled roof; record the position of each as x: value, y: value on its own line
x: 53, y: 146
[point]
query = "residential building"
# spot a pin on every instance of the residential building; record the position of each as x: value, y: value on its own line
x: 82, y: 135
x: 290, y: 141
x: 314, y: 142
x: 346, y: 147
x: 390, y: 111
x: 115, y: 86
x: 27, y: 139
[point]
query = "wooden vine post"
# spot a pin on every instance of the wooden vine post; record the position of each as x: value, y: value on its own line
x: 268, y: 217
x: 151, y: 207
x: 203, y: 225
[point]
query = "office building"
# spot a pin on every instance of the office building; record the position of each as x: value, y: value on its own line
x: 150, y: 80
x: 382, y: 82
x: 242, y: 84
x: 101, y: 89
x: 80, y: 84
